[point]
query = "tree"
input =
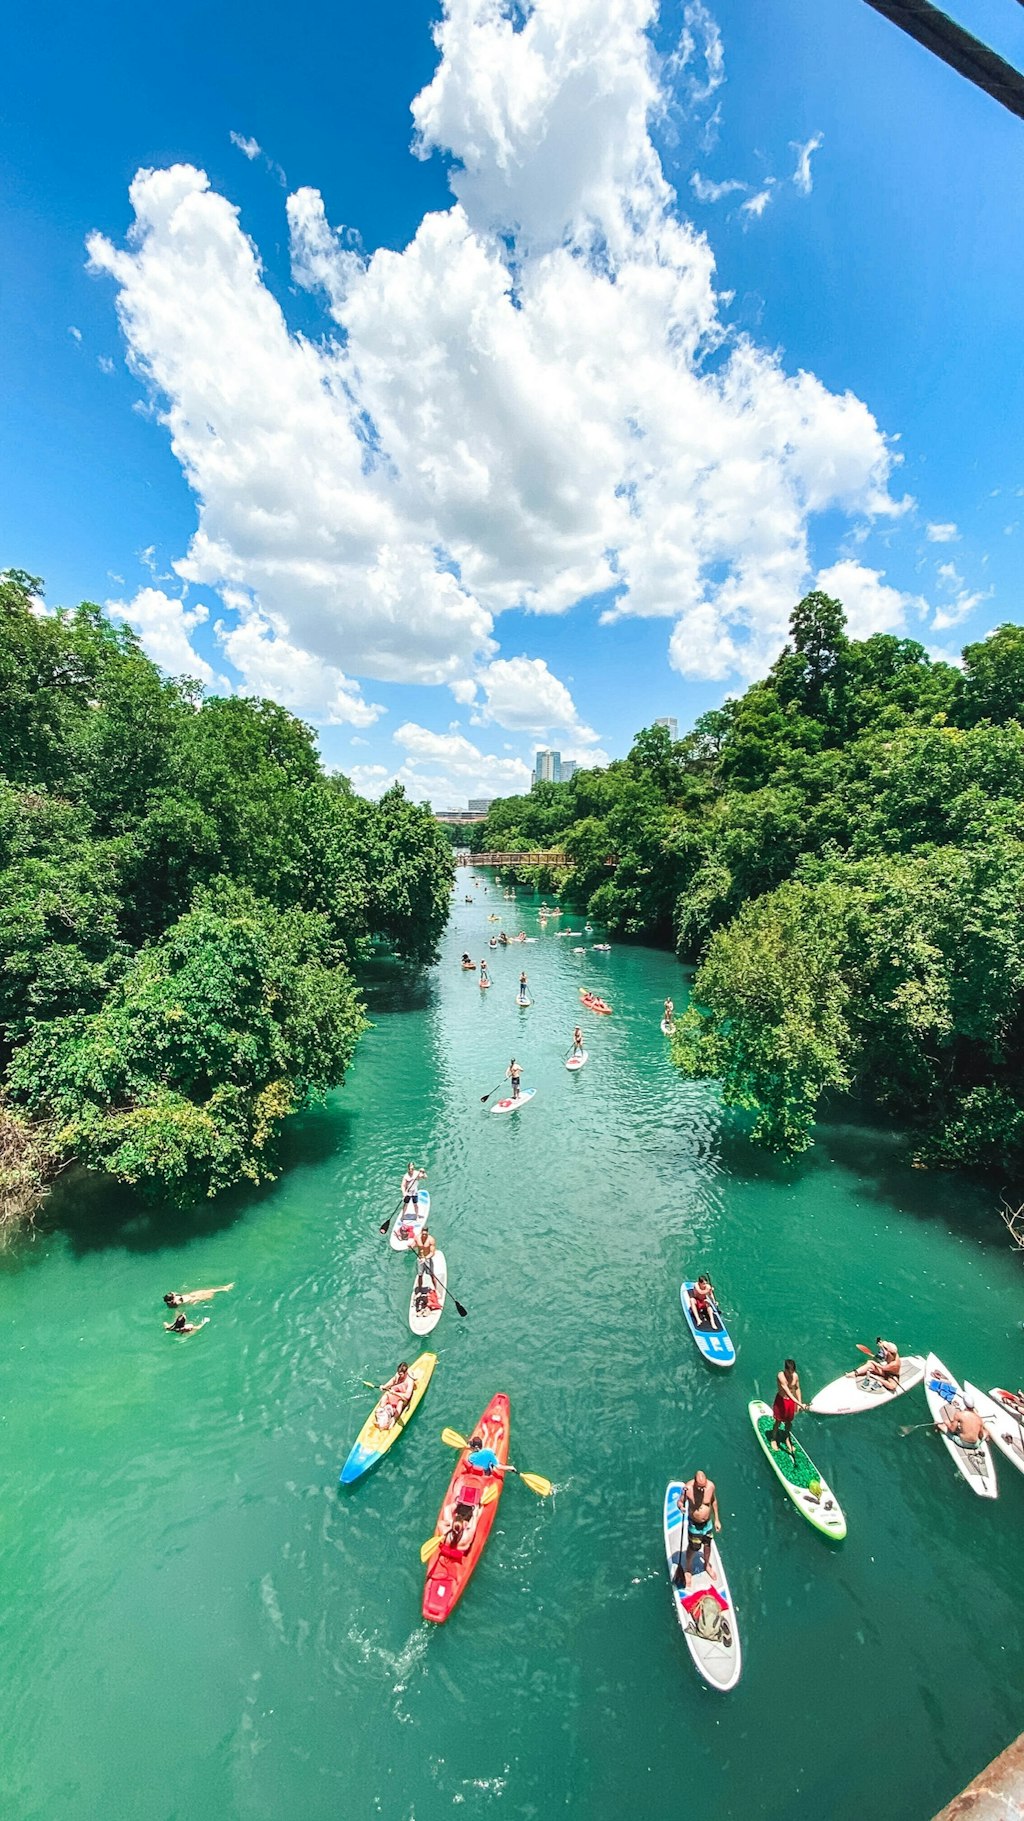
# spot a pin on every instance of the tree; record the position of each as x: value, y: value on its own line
x: 993, y: 688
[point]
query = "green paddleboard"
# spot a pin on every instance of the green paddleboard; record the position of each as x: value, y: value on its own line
x: 797, y: 1473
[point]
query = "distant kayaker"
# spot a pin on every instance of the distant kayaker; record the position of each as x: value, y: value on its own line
x: 514, y: 1074
x: 577, y: 1042
x: 424, y: 1246
x: 396, y: 1396
x: 182, y: 1325
x: 964, y: 1426
x: 788, y: 1400
x: 886, y: 1364
x: 181, y: 1299
x: 703, y: 1306
x: 699, y: 1494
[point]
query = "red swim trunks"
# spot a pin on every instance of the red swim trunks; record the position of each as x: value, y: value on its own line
x: 783, y: 1409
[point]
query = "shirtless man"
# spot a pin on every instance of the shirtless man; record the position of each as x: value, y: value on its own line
x: 886, y: 1364
x: 174, y: 1300
x: 514, y: 1074
x: 396, y: 1395
x: 424, y: 1246
x: 964, y: 1426
x: 788, y: 1400
x: 703, y: 1306
x: 700, y: 1495
x: 577, y: 1042
x: 410, y: 1197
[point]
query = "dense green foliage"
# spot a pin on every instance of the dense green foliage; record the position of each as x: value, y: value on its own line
x: 842, y: 850
x: 183, y: 893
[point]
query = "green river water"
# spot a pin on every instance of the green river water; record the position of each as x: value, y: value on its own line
x: 196, y: 1623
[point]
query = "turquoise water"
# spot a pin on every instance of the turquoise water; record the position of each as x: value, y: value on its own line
x: 197, y: 1623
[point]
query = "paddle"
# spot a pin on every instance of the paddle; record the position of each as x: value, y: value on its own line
x: 536, y: 1481
x: 484, y: 1098
x: 429, y: 1549
x: 679, y: 1573
x: 908, y: 1428
x: 390, y: 1218
x: 890, y: 1383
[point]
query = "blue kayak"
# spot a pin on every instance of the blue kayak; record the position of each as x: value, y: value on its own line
x: 713, y: 1343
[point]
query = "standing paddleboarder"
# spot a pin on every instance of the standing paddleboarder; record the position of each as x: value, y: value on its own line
x: 700, y: 1495
x: 410, y: 1197
x: 788, y: 1400
x: 524, y: 991
x: 577, y: 1042
x: 514, y: 1074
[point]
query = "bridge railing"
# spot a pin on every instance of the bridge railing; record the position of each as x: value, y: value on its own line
x: 552, y: 856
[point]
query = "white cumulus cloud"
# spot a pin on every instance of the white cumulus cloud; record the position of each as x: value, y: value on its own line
x: 515, y: 409
x: 164, y: 625
x: 523, y: 695
x: 942, y: 534
x: 872, y: 605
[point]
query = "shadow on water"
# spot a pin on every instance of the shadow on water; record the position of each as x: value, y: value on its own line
x: 388, y: 985
x: 95, y: 1213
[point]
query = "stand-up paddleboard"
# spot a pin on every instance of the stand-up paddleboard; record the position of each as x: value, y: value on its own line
x: 575, y: 1063
x: 797, y: 1474
x: 484, y: 984
x: 1005, y: 1432
x: 408, y: 1227
x: 713, y: 1343
x: 844, y: 1396
x: 510, y: 1105
x: 523, y: 1004
x: 371, y: 1444
x: 667, y: 1029
x: 976, y: 1464
x: 423, y: 1322
x: 709, y: 1623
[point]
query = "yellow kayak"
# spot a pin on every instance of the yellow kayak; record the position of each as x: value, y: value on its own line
x: 371, y: 1443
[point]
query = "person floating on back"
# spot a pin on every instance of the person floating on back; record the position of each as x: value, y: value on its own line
x: 182, y: 1325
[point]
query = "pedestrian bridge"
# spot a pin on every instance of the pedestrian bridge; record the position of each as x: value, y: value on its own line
x: 550, y: 856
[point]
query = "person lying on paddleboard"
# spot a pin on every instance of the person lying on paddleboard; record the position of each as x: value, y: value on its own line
x: 577, y: 1042
x: 410, y: 1195
x: 424, y: 1246
x: 703, y: 1306
x: 176, y: 1300
x: 514, y: 1074
x: 964, y: 1426
x: 788, y: 1400
x: 396, y: 1396
x: 886, y: 1363
x: 700, y: 1495
x: 182, y: 1325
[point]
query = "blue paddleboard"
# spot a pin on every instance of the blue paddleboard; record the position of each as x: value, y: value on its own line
x: 713, y: 1343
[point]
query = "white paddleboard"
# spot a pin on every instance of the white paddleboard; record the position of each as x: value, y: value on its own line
x: 718, y: 1658
x: 575, y: 1063
x: 844, y: 1396
x: 1005, y: 1430
x: 424, y: 1323
x: 667, y: 1029
x: 402, y: 1235
x: 509, y: 1105
x: 976, y: 1464
x: 523, y: 1004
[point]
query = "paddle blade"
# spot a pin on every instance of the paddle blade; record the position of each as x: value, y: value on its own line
x: 538, y: 1484
x: 460, y: 1307
x: 452, y: 1439
x: 870, y: 1351
x: 490, y: 1495
x: 430, y: 1548
x: 385, y: 1224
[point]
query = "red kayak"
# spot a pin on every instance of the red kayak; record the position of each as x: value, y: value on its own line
x: 450, y: 1569
x: 592, y: 1003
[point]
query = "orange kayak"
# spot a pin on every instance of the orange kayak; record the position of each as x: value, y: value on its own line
x: 593, y: 1004
x: 451, y: 1568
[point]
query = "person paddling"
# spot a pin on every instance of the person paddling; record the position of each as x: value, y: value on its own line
x: 397, y: 1394
x: 485, y: 978
x: 670, y: 1012
x: 424, y: 1246
x: 483, y: 1459
x: 886, y: 1364
x: 700, y: 1495
x: 180, y: 1300
x: 524, y: 991
x: 965, y: 1426
x: 788, y: 1400
x: 577, y: 1042
x: 703, y: 1306
x: 410, y: 1199
x: 514, y: 1074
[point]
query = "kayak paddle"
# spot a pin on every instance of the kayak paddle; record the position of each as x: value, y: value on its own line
x: 429, y: 1549
x: 536, y: 1481
x: 890, y: 1383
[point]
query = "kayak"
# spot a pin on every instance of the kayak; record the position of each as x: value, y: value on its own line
x: 450, y: 1570
x: 371, y: 1443
x: 976, y: 1464
x: 1005, y: 1430
x: 593, y: 1004
x: 428, y: 1320
x: 575, y: 1063
x: 509, y: 1105
x: 709, y: 1626
x: 403, y: 1234
x: 797, y: 1473
x: 844, y: 1395
x: 714, y: 1344
x: 667, y: 1029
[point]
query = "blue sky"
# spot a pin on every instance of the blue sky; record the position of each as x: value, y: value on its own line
x: 506, y: 443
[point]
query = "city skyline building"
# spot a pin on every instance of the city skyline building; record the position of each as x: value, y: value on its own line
x: 547, y: 767
x: 669, y: 721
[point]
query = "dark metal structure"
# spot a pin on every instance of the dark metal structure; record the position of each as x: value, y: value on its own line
x: 967, y: 55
